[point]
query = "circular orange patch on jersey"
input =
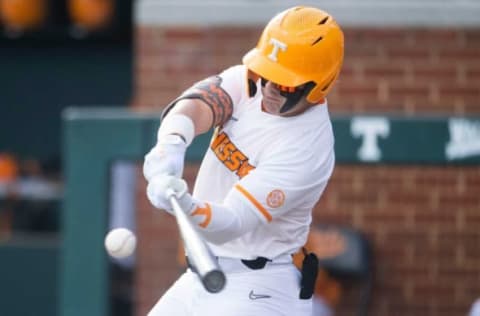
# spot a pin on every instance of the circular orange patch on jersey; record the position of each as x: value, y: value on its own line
x: 276, y: 198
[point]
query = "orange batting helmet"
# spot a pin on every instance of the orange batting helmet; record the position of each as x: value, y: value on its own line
x: 298, y: 46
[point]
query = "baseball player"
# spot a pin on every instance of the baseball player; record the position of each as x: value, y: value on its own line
x: 266, y: 167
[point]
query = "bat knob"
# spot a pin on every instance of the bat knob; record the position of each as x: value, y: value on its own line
x: 214, y: 281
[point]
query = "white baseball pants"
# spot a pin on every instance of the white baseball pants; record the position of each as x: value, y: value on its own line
x: 271, y: 291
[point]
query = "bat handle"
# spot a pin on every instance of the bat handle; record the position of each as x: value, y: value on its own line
x: 199, y: 253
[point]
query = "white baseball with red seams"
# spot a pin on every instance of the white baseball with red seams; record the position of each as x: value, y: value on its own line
x: 120, y: 243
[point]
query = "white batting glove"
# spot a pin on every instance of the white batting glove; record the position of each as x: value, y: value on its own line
x: 158, y: 193
x: 167, y: 157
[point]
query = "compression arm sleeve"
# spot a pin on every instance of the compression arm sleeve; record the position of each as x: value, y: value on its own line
x: 219, y: 223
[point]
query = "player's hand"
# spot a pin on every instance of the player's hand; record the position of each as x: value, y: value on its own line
x: 158, y: 194
x: 167, y: 157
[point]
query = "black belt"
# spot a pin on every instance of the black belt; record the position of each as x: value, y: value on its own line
x: 254, y: 264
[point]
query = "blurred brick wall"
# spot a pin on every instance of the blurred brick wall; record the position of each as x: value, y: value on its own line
x: 424, y: 221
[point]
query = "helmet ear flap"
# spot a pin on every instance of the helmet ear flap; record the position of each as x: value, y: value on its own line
x: 320, y: 91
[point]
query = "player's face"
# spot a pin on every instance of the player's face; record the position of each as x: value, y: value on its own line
x: 273, y: 101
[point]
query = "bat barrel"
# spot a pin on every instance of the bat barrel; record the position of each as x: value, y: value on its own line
x: 214, y: 281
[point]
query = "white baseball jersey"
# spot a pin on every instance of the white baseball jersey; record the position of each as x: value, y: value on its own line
x: 275, y: 166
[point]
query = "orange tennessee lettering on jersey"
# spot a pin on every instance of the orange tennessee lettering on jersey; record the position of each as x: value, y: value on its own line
x: 230, y: 155
x: 205, y: 211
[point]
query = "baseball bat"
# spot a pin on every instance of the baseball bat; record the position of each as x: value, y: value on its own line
x: 198, y: 252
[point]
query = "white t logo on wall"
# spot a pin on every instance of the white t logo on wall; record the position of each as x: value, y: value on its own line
x: 277, y: 45
x: 370, y: 128
x: 464, y: 139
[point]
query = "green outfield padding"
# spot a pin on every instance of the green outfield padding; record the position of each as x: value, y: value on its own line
x: 28, y: 277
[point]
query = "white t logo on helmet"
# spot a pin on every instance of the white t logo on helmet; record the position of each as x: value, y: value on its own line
x: 277, y: 45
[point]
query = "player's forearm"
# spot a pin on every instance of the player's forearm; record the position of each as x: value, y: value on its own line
x: 219, y: 223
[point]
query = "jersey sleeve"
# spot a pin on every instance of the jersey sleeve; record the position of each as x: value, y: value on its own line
x: 286, y: 181
x: 234, y: 82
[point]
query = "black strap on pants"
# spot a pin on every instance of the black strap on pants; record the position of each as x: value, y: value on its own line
x: 309, y: 275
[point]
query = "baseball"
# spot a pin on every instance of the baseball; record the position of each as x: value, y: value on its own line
x: 120, y: 243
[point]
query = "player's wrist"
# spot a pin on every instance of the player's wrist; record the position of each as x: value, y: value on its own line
x: 173, y: 142
x: 176, y: 126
